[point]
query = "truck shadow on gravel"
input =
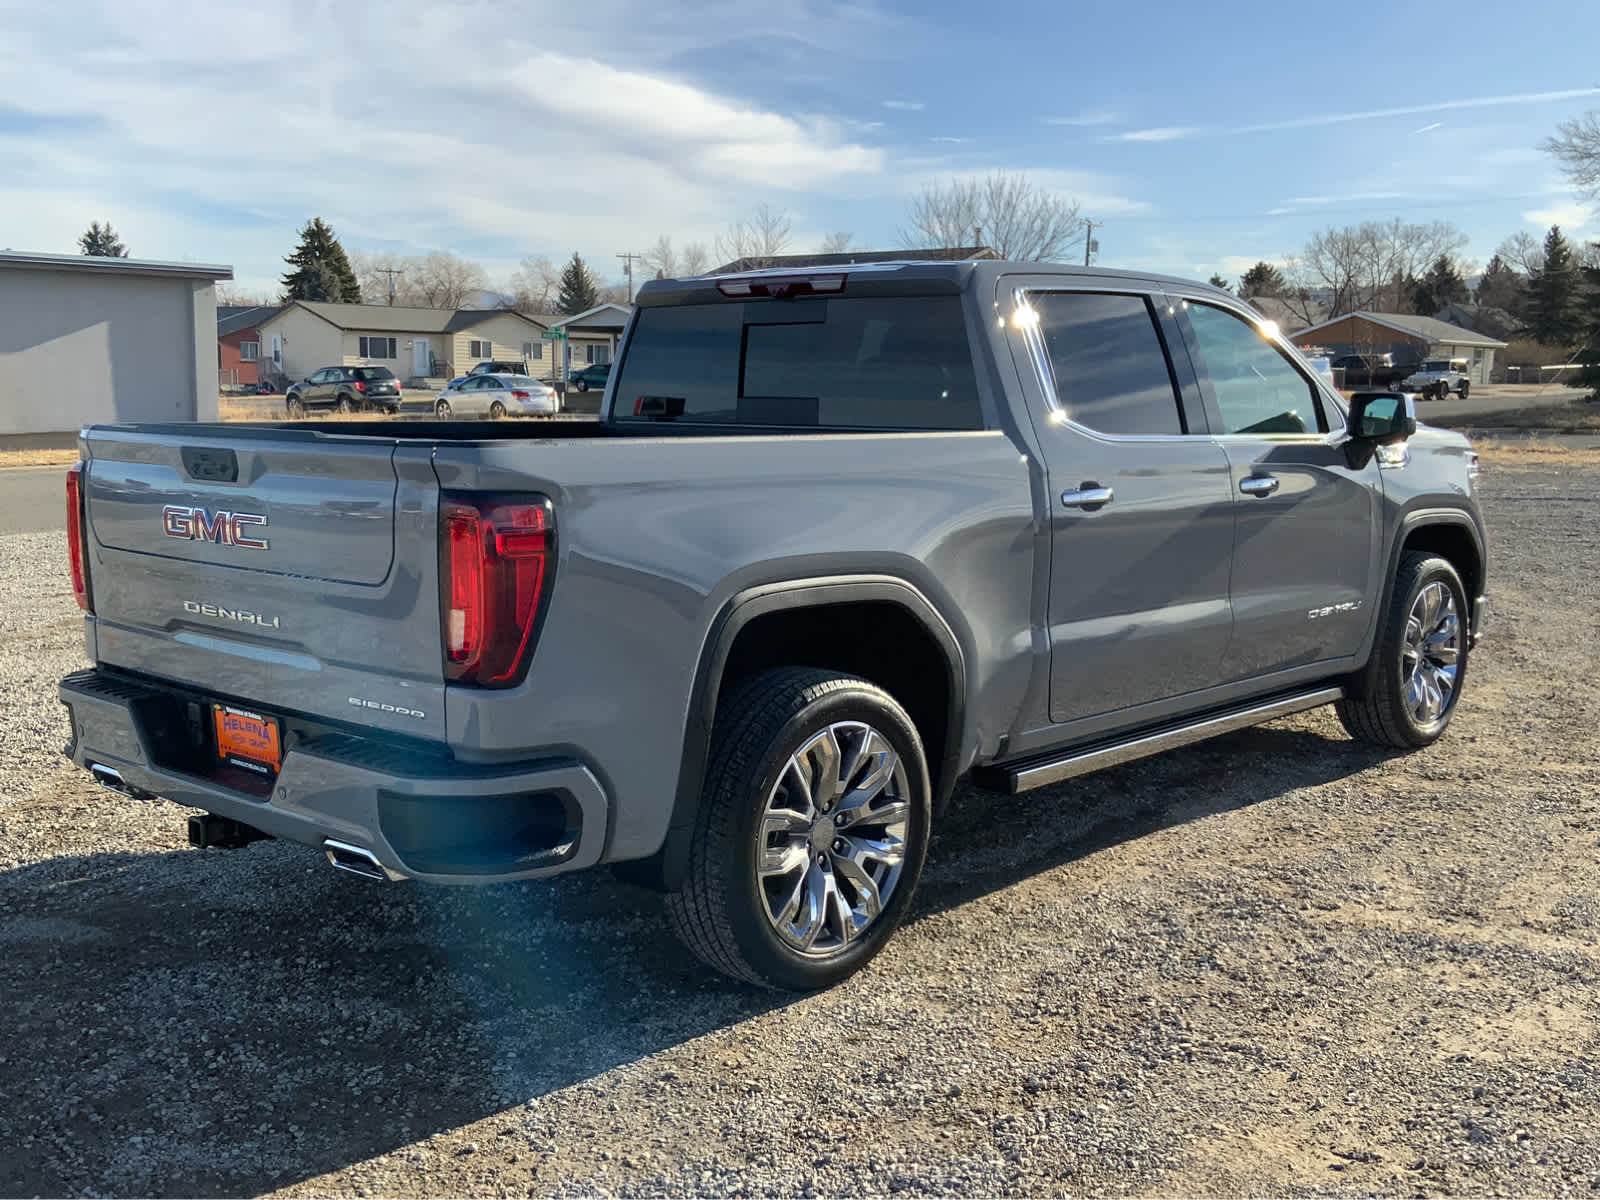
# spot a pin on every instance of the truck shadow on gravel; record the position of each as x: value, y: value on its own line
x: 225, y: 1023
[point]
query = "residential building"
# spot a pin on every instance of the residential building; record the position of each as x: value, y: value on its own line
x: 1411, y: 339
x: 415, y: 343
x: 592, y: 335
x: 86, y: 339
x: 239, y: 343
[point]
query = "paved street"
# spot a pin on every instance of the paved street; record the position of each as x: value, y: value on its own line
x: 32, y: 499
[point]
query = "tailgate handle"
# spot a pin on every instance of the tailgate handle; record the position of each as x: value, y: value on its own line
x: 212, y: 465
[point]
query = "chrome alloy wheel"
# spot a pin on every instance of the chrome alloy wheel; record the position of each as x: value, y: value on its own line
x: 833, y: 838
x: 1430, y: 656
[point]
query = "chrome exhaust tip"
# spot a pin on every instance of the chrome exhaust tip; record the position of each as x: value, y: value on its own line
x: 357, y: 860
x: 111, y: 779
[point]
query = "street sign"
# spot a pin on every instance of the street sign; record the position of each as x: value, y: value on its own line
x: 554, y: 335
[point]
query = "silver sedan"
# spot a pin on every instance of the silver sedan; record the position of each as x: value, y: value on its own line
x: 496, y: 396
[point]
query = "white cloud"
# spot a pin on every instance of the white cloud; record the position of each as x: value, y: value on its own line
x: 905, y: 105
x: 1085, y: 119
x: 1571, y: 216
x: 954, y: 141
x: 1166, y: 133
x: 1414, y: 109
x: 214, y: 131
x: 1428, y: 128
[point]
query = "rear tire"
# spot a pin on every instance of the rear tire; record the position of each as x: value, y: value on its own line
x: 497, y: 411
x: 1462, y: 390
x: 1408, y: 693
x: 583, y: 385
x: 811, y: 832
x: 343, y: 406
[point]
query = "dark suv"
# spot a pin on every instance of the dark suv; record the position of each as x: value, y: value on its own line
x: 1370, y: 370
x: 346, y: 389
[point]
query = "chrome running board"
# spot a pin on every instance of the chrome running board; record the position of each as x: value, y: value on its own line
x: 1022, y: 775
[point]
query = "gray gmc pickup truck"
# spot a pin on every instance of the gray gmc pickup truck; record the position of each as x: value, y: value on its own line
x: 839, y: 540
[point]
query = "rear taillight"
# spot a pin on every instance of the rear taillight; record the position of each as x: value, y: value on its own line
x: 77, y: 538
x: 495, y: 557
x: 522, y: 395
x: 360, y: 387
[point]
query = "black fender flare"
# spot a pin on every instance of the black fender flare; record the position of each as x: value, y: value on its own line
x: 1410, y: 521
x: 665, y: 869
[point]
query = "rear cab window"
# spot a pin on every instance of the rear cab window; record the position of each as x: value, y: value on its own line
x: 871, y: 362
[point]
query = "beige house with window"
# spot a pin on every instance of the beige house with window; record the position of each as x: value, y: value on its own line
x: 592, y: 335
x: 414, y: 343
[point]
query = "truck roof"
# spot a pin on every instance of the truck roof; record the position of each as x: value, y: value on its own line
x: 956, y: 275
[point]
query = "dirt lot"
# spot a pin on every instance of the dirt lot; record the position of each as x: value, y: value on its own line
x: 1278, y: 963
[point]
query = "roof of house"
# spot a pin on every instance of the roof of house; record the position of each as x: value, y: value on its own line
x: 390, y: 318
x: 112, y: 266
x: 603, y: 318
x: 852, y: 257
x: 1425, y: 328
x: 231, y: 318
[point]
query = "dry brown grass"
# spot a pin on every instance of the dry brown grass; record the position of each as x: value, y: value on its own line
x: 1536, y: 452
x: 271, y: 408
x: 38, y: 458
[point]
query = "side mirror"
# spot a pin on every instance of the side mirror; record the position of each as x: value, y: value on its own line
x: 1382, y: 417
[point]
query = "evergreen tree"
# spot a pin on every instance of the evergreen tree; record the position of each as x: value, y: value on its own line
x: 579, y: 291
x: 1502, y: 286
x: 1589, y: 326
x: 1263, y: 279
x: 1218, y: 281
x: 319, y: 248
x: 1442, y: 285
x: 101, y: 241
x: 1553, y: 316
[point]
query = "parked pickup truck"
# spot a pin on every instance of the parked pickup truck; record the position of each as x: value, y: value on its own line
x: 838, y: 541
x: 1438, y: 377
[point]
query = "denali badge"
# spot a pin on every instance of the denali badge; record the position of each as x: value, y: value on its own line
x: 231, y: 614
x: 389, y: 708
x: 1332, y: 610
x: 223, y: 528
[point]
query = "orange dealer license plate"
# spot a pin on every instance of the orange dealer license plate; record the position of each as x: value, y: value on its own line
x: 247, y: 739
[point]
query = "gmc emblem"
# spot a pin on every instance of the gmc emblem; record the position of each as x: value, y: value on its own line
x: 223, y: 528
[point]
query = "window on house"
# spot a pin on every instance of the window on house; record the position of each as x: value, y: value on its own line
x: 378, y: 347
x: 249, y: 351
x: 479, y: 349
x: 596, y: 353
x: 532, y: 351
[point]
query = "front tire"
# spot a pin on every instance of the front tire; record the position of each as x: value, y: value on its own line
x: 583, y: 385
x: 1463, y: 389
x: 1408, y: 693
x: 441, y: 409
x: 295, y: 407
x: 811, y: 833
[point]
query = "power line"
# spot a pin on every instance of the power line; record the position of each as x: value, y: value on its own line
x: 391, y: 272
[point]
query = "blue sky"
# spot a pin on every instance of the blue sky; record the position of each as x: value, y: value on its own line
x: 1204, y: 136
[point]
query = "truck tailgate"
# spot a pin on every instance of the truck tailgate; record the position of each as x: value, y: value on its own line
x: 287, y: 565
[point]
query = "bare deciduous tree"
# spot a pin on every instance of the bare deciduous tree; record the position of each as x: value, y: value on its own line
x: 1577, y: 149
x: 1524, y: 252
x: 372, y: 269
x: 533, y: 286
x: 444, y: 280
x: 1372, y: 266
x: 836, y: 243
x: 695, y: 260
x: 1006, y: 211
x: 661, y: 260
x: 760, y: 239
x: 613, y: 293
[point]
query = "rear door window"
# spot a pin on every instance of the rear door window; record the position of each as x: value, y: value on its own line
x: 1108, y: 364
x: 862, y: 363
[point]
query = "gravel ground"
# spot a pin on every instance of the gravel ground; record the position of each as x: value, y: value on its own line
x: 1277, y: 963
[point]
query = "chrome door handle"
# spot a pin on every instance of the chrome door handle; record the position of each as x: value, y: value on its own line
x: 1259, y: 485
x: 1089, y: 496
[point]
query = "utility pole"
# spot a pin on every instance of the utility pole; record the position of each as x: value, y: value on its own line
x: 628, y: 267
x: 391, y: 272
x: 1088, y: 237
